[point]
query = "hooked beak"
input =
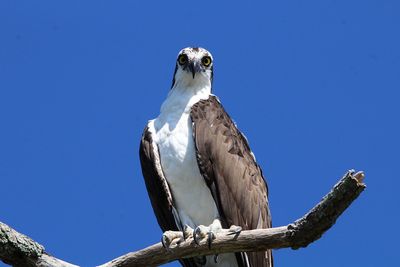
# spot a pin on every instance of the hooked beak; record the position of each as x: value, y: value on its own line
x: 194, y: 67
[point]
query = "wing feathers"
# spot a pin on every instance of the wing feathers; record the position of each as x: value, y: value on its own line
x: 156, y: 184
x: 229, y: 167
x: 158, y: 189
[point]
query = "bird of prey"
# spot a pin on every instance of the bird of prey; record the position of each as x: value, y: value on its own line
x: 200, y: 174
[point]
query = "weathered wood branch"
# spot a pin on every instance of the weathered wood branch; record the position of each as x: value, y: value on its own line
x: 19, y: 250
x: 298, y: 234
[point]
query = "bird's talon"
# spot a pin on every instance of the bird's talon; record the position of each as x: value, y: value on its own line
x: 235, y: 230
x: 171, y: 239
x: 184, y: 232
x: 196, y: 232
x: 164, y: 242
x: 211, y: 237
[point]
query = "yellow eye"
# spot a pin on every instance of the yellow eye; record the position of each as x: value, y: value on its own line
x: 182, y: 59
x: 206, y: 61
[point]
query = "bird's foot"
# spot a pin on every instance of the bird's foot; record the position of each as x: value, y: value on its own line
x: 187, y: 232
x: 234, y: 230
x: 202, y: 231
x: 171, y: 239
x: 210, y: 232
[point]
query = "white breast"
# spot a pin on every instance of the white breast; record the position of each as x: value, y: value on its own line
x: 172, y: 132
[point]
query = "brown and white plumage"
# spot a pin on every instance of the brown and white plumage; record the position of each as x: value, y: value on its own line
x: 198, y: 167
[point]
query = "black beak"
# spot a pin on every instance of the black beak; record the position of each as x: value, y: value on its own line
x: 194, y: 67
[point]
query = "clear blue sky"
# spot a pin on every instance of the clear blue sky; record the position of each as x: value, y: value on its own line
x: 314, y: 85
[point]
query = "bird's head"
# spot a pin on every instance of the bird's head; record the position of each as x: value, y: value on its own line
x: 194, y: 67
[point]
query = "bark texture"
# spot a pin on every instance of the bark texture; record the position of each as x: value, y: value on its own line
x: 19, y: 250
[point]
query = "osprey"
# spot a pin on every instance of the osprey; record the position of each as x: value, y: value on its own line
x: 200, y: 173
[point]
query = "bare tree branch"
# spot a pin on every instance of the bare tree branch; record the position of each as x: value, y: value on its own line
x: 299, y: 234
x: 19, y: 250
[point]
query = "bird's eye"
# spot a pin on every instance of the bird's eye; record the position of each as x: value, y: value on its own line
x: 206, y: 61
x: 182, y: 59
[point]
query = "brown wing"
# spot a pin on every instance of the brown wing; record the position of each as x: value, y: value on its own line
x: 156, y: 184
x: 157, y: 188
x: 231, y: 172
